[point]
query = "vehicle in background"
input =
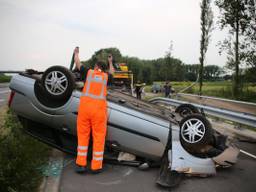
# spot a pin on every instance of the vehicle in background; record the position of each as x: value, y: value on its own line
x: 156, y: 88
x: 123, y: 77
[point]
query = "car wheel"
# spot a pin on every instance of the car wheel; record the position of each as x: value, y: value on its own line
x: 58, y: 83
x: 195, y: 132
x: 186, y: 109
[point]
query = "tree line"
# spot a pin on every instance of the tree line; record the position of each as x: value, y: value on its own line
x: 162, y: 69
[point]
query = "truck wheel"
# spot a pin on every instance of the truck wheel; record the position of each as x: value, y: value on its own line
x: 195, y: 132
x: 186, y: 109
x: 58, y: 83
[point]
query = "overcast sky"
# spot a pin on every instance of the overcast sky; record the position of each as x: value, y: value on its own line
x: 41, y: 33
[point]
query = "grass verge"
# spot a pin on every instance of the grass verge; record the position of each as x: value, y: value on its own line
x: 221, y: 89
x: 4, y: 78
x: 20, y: 157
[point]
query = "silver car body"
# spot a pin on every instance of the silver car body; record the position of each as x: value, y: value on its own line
x: 136, y: 132
x: 120, y: 119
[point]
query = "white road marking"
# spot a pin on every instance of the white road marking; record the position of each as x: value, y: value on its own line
x: 2, y: 100
x: 128, y: 172
x: 249, y: 154
x: 6, y: 91
x: 109, y: 183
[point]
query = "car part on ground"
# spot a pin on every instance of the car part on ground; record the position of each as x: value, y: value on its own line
x: 228, y: 157
x: 166, y: 177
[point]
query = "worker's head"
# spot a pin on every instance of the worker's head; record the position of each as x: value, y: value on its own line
x: 100, y: 65
x: 110, y: 59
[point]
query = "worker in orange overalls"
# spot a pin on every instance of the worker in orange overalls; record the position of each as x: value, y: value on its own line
x: 92, y: 117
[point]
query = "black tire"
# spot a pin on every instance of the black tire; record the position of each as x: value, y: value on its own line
x: 186, y: 109
x: 206, y: 133
x: 62, y: 93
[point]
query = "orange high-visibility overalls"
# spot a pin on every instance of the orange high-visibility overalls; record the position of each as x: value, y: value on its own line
x: 92, y: 116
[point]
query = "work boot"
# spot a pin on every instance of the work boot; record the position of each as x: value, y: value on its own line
x: 97, y: 171
x: 80, y: 169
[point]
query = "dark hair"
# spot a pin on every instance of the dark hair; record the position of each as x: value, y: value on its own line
x: 101, y: 65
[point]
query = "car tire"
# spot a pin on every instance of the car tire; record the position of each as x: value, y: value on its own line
x: 186, y: 109
x: 195, y: 132
x: 58, y: 83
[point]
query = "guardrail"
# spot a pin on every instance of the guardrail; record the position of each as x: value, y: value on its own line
x: 238, y: 117
x: 215, y: 98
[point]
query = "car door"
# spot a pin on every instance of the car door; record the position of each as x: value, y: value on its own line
x: 65, y: 121
x: 136, y: 132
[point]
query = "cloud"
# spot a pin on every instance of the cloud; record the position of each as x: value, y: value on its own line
x: 38, y: 34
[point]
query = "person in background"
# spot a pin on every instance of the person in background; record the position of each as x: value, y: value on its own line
x: 138, y: 89
x: 92, y: 117
x: 167, y: 89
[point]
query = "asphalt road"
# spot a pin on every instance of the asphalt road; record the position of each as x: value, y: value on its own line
x: 240, y: 177
x: 4, y: 93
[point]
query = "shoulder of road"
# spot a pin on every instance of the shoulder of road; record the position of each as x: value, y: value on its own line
x: 234, y: 131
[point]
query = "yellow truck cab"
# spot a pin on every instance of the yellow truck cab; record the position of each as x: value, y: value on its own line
x: 123, y: 77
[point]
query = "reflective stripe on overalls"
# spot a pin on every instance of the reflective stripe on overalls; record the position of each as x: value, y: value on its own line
x: 90, y: 79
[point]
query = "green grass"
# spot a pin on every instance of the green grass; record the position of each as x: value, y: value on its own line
x: 4, y: 78
x: 20, y: 157
x: 221, y: 89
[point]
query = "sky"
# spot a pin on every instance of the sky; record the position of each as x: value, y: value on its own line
x: 40, y: 33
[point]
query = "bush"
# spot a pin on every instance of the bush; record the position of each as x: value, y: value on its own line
x: 20, y: 156
x: 4, y: 78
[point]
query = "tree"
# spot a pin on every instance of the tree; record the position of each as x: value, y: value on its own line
x: 212, y: 72
x: 146, y: 74
x: 144, y: 70
x: 235, y: 16
x: 102, y: 55
x: 168, y: 66
x: 206, y: 28
x: 249, y: 48
x: 191, y: 72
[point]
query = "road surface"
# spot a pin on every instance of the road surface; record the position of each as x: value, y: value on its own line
x: 240, y: 177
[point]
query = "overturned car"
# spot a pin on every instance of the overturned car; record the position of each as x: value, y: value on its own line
x: 180, y: 142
